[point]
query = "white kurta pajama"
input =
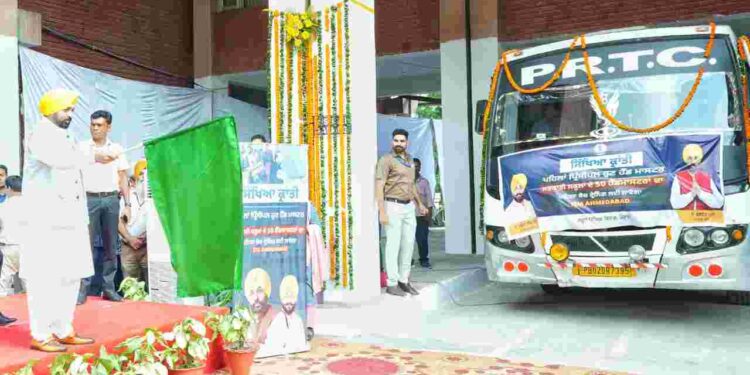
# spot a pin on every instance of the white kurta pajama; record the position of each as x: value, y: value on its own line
x: 57, y: 252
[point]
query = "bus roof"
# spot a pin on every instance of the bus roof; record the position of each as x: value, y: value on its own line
x: 630, y: 34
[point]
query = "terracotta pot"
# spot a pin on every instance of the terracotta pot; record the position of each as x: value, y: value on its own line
x: 240, y: 361
x: 187, y: 371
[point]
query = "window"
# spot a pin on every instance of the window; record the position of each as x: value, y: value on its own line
x: 224, y: 5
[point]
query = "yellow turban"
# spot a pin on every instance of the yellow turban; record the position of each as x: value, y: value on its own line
x: 518, y: 179
x: 140, y: 165
x: 289, y: 289
x: 693, y: 150
x: 57, y: 100
x: 258, y: 278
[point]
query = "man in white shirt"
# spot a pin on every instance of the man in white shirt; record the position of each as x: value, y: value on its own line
x: 57, y: 252
x: 519, y: 209
x: 134, y: 254
x: 104, y: 184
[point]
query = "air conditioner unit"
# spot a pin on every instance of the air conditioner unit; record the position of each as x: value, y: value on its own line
x: 231, y: 4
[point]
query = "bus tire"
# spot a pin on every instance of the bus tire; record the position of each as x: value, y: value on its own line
x: 737, y: 297
x: 552, y: 289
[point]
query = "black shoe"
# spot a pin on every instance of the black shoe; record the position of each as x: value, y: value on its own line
x: 4, y: 320
x: 408, y: 288
x: 81, y: 299
x: 395, y: 291
x: 426, y: 264
x: 111, y: 296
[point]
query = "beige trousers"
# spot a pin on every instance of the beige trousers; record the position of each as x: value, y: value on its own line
x: 399, y: 243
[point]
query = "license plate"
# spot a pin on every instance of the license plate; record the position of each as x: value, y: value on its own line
x: 603, y: 271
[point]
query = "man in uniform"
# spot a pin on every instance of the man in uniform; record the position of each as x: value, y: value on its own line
x: 396, y: 194
x: 57, y: 251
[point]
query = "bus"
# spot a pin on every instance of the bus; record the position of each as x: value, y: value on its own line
x: 620, y: 160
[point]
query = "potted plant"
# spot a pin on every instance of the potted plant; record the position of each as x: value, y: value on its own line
x: 186, y: 348
x: 142, y: 354
x: 238, y: 330
x: 133, y: 290
x: 88, y: 364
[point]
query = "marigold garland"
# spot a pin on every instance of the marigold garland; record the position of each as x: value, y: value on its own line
x: 336, y: 146
x: 317, y: 71
x: 279, y: 69
x: 486, y: 141
x: 347, y: 89
x: 663, y: 124
x: 742, y: 43
x: 545, y: 85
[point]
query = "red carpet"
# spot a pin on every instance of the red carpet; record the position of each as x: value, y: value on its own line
x: 109, y: 323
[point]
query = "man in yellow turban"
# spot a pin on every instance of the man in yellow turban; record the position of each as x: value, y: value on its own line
x: 286, y: 334
x: 519, y: 209
x: 258, y: 291
x: 133, y: 231
x: 57, y: 252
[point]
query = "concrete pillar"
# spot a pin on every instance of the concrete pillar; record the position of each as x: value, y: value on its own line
x: 10, y: 131
x: 364, y: 155
x: 457, y: 107
x: 203, y: 38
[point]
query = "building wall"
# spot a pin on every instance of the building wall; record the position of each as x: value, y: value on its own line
x: 240, y: 40
x: 522, y: 19
x: 406, y: 26
x: 154, y: 33
x: 241, y: 36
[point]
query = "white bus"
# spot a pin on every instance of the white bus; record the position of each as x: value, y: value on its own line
x: 619, y: 160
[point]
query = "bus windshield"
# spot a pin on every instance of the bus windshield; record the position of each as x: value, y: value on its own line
x: 569, y: 113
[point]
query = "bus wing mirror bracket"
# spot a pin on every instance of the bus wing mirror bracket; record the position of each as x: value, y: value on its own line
x: 479, y: 116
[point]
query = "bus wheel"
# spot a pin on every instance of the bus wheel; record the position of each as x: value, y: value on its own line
x: 552, y: 289
x: 739, y: 297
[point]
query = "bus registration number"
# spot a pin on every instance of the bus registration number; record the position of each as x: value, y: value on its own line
x: 603, y: 271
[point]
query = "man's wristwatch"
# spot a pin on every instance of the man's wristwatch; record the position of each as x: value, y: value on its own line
x: 127, y: 204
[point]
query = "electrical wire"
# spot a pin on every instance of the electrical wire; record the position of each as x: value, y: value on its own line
x: 75, y: 40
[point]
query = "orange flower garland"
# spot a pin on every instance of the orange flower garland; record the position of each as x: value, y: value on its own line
x: 663, y: 124
x: 547, y: 84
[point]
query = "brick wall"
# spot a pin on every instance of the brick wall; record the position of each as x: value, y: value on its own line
x: 241, y: 36
x: 406, y: 26
x: 154, y: 33
x: 240, y: 40
x: 527, y: 19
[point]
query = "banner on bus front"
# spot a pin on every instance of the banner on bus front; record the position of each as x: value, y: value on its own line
x: 641, y: 181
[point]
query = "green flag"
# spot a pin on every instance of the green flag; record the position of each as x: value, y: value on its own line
x: 195, y: 181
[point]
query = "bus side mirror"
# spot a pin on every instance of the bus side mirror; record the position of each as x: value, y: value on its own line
x: 479, y: 116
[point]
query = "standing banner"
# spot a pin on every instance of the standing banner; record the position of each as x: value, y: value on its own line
x: 274, y: 272
x: 639, y: 181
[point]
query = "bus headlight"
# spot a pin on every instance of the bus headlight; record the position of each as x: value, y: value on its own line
x: 720, y: 237
x: 523, y: 241
x: 700, y: 239
x: 498, y: 237
x: 694, y: 237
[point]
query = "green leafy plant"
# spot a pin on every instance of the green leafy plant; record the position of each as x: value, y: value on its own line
x: 186, y: 346
x: 88, y: 364
x: 238, y: 329
x: 133, y: 290
x: 143, y: 353
x: 221, y: 299
x: 28, y: 369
